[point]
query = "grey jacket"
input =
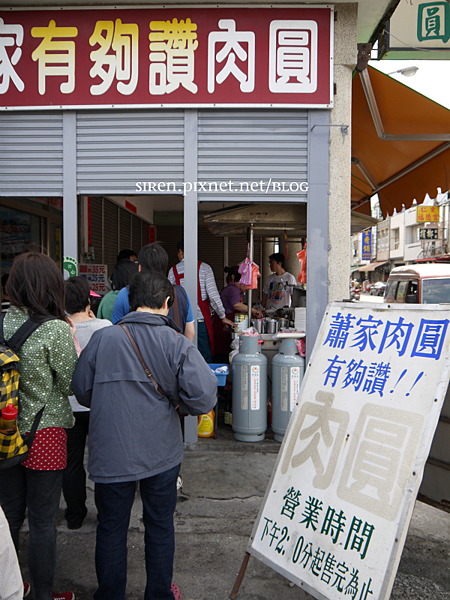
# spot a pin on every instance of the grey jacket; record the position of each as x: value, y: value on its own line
x: 134, y: 431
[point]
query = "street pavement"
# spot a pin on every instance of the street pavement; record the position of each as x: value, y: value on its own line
x: 223, y: 486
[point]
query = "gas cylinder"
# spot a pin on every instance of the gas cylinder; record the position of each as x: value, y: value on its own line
x: 249, y: 369
x: 288, y: 368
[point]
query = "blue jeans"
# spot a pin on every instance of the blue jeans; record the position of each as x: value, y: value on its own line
x: 39, y: 492
x: 114, y: 502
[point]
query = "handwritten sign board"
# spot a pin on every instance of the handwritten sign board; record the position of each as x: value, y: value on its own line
x: 337, y: 508
x: 97, y: 276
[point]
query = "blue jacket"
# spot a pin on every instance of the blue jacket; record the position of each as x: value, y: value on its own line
x: 122, y: 306
x: 134, y: 431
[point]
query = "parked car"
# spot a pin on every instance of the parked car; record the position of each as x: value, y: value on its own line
x: 378, y: 288
x: 419, y: 284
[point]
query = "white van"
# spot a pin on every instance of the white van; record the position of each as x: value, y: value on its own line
x: 419, y: 284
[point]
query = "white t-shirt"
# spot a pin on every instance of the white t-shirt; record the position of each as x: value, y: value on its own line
x: 85, y: 329
x: 278, y: 294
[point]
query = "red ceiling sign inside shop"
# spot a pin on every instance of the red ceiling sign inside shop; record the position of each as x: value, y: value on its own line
x: 166, y: 57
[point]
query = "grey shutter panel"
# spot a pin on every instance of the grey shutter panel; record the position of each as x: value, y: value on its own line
x: 31, y: 153
x: 244, y: 146
x: 97, y: 229
x: 110, y: 234
x: 170, y: 236
x: 116, y: 149
x: 210, y: 250
x: 144, y: 233
x: 136, y: 238
x: 125, y: 230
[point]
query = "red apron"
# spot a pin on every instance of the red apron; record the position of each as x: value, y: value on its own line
x: 203, y: 304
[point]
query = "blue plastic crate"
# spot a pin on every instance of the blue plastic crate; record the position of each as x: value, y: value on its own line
x: 221, y: 377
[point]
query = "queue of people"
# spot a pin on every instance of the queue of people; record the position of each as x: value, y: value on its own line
x: 123, y: 387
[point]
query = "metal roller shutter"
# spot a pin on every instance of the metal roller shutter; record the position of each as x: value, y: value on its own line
x: 169, y: 237
x: 115, y: 149
x: 210, y: 250
x: 144, y: 233
x: 110, y: 233
x: 244, y: 146
x: 31, y: 153
x: 136, y: 234
x: 97, y: 229
x: 125, y: 230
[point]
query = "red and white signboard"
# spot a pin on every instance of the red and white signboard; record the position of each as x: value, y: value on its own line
x: 159, y: 57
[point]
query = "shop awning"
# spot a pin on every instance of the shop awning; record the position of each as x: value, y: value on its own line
x: 353, y: 269
x: 372, y: 266
x: 400, y: 143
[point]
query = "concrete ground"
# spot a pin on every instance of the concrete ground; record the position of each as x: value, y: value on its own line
x: 223, y: 485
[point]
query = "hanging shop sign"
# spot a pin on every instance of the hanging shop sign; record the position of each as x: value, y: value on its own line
x: 337, y: 508
x: 158, y: 57
x: 428, y: 233
x: 427, y: 214
x: 418, y: 30
x: 366, y: 253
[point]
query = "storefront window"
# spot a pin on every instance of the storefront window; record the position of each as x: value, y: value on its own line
x: 19, y: 232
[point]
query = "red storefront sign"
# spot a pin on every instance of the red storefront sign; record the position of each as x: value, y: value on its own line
x: 166, y: 57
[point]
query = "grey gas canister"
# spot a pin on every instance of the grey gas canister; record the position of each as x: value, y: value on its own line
x: 249, y: 370
x: 288, y: 368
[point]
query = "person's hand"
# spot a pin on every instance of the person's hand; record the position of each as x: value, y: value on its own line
x: 226, y: 321
x: 257, y: 313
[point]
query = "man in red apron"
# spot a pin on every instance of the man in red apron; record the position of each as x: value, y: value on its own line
x: 207, y: 295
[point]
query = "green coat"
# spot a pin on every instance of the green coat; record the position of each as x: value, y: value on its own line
x: 47, y: 362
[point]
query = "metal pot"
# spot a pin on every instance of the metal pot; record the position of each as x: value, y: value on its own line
x: 260, y: 325
x: 283, y: 323
x: 272, y: 325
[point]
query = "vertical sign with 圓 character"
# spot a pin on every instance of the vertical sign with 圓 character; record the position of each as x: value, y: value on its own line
x: 337, y: 509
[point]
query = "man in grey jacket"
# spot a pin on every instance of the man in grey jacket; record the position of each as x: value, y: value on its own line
x: 135, y: 433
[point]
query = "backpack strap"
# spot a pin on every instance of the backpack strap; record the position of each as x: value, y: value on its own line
x: 22, y: 334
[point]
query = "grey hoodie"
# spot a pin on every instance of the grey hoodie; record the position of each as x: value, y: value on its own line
x: 134, y: 431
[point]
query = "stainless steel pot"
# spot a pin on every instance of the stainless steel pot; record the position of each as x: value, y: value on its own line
x: 260, y: 325
x: 272, y: 325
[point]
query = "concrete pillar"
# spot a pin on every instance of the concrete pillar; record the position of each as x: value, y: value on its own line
x: 339, y: 206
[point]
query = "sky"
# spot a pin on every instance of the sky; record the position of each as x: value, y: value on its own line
x: 432, y: 79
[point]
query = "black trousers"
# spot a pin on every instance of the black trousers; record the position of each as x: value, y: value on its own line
x: 74, y: 475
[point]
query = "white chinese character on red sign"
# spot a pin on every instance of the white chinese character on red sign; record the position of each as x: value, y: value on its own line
x: 55, y: 57
x: 293, y: 57
x: 10, y: 35
x: 172, y: 47
x: 231, y: 48
x: 123, y: 64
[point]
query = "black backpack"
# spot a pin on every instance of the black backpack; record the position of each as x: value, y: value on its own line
x: 14, y: 447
